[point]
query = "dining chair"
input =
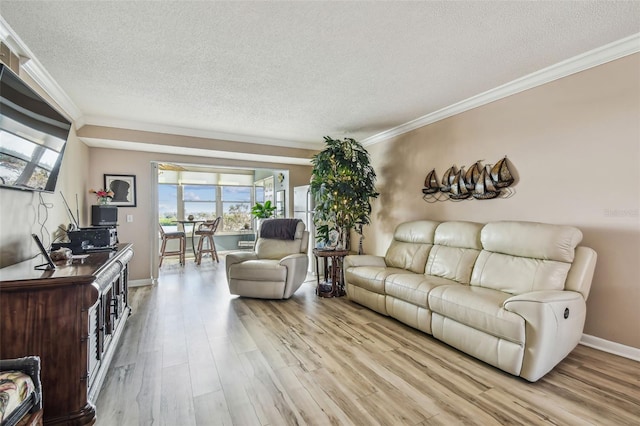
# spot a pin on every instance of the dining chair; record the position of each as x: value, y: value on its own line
x: 166, y: 236
x: 206, y: 231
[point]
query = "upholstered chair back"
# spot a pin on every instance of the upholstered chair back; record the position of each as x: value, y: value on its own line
x: 274, y: 248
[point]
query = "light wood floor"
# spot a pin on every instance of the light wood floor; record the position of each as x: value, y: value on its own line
x: 193, y: 355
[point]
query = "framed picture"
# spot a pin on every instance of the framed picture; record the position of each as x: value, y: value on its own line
x: 124, y: 189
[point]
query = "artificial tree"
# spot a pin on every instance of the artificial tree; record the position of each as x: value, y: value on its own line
x: 342, y: 184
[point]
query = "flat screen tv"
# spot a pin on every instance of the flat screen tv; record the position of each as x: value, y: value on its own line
x: 33, y: 136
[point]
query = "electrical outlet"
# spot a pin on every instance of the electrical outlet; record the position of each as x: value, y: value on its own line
x: 129, y: 218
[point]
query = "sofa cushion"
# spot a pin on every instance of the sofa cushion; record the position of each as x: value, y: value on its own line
x: 519, y: 257
x: 479, y: 308
x: 411, y: 244
x: 258, y: 270
x: 268, y: 248
x: 451, y: 262
x: 459, y: 234
x: 517, y: 275
x: 531, y: 239
x: 371, y: 278
x: 456, y: 247
x: 409, y: 256
x: 417, y: 231
x: 413, y: 288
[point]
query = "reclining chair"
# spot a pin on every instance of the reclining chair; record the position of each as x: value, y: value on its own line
x: 277, y: 267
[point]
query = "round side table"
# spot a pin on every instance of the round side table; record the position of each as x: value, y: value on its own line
x: 333, y: 284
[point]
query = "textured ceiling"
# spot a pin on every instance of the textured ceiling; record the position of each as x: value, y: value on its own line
x: 296, y: 71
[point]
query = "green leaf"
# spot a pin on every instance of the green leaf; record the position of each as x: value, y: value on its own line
x: 263, y: 211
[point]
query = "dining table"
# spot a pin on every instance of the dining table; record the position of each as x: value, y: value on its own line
x: 193, y: 224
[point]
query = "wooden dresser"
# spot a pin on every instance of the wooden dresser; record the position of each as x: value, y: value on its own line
x: 72, y: 317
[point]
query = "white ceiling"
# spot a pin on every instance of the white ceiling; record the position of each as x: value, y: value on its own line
x: 289, y: 73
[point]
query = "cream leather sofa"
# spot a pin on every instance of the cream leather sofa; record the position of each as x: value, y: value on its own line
x: 511, y: 294
x: 274, y: 270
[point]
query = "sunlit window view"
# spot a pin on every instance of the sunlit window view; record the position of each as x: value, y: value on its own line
x: 199, y: 201
x: 168, y: 206
x: 205, y: 196
x: 236, y: 207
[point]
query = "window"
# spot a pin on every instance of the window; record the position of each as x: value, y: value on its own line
x: 206, y: 195
x: 200, y: 201
x: 168, y: 206
x: 259, y: 194
x: 236, y: 207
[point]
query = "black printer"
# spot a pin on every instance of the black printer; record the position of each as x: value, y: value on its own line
x: 86, y: 240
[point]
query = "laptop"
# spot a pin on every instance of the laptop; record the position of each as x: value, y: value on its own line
x: 45, y: 266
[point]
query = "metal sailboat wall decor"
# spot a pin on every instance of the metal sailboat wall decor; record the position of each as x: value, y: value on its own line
x: 431, y: 183
x: 501, y: 175
x: 459, y: 189
x: 473, y: 175
x: 478, y: 182
x: 448, y: 178
x: 485, y: 188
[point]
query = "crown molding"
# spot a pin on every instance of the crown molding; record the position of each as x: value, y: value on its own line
x: 30, y: 64
x: 8, y: 36
x: 607, y: 53
x: 37, y: 72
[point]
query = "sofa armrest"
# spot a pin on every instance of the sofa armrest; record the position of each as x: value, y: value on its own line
x: 286, y: 259
x: 297, y: 265
x: 545, y: 296
x: 238, y: 257
x: 581, y: 272
x: 554, y: 324
x: 352, y: 261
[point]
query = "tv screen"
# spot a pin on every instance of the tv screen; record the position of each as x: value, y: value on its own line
x: 33, y: 136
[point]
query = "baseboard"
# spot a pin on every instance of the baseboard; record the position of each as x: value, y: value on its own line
x: 610, y: 347
x: 140, y: 283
